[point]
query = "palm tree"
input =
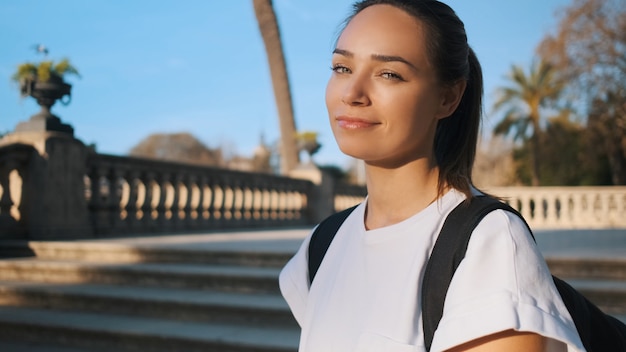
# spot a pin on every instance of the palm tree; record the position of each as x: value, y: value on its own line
x: 268, y: 27
x: 523, y: 101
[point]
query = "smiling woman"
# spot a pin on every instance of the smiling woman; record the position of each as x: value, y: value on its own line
x: 405, y: 96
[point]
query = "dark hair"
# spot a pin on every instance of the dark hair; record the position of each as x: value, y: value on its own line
x: 457, y: 135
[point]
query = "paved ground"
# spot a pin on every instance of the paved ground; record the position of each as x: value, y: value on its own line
x: 274, y: 240
x: 563, y: 243
x: 583, y: 243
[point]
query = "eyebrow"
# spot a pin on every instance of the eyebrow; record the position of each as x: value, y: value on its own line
x: 377, y: 57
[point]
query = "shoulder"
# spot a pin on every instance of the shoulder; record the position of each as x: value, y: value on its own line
x: 505, y: 228
x: 504, y: 283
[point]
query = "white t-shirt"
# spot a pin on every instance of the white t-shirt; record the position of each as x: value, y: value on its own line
x: 366, y: 295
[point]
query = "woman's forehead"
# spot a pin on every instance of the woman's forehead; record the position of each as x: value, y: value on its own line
x: 385, y: 30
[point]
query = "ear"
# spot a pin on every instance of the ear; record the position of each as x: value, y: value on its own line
x: 450, y: 98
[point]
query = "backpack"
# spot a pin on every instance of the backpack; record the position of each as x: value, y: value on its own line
x: 597, y: 330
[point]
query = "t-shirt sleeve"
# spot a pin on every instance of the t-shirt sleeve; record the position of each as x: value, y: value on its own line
x: 503, y: 283
x: 294, y: 281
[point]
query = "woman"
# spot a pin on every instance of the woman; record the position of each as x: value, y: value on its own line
x: 405, y: 96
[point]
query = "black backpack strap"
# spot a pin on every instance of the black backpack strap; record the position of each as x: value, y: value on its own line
x: 449, y: 250
x: 322, y: 237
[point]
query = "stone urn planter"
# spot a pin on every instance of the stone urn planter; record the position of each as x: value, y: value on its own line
x: 44, y: 82
x: 307, y: 141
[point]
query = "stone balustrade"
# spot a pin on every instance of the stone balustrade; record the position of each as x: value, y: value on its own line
x: 567, y: 207
x: 50, y: 195
x: 546, y: 207
x: 123, y: 195
x: 133, y: 195
x: 347, y: 195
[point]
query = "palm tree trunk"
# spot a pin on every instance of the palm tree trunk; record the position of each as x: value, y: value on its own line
x: 268, y: 27
x: 535, y: 155
x: 535, y: 140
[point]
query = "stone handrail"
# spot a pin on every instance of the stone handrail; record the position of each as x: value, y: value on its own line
x: 134, y: 195
x: 567, y: 207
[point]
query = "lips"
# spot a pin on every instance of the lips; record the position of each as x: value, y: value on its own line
x: 353, y: 123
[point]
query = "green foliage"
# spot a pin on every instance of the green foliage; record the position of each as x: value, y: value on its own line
x: 569, y: 157
x: 43, y: 71
x: 306, y: 136
x: 525, y: 100
x: 588, y: 50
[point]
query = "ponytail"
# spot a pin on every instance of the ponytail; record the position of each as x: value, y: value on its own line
x: 457, y: 135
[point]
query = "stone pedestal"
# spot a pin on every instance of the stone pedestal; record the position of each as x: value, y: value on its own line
x: 322, y: 202
x: 53, y: 204
x: 43, y: 122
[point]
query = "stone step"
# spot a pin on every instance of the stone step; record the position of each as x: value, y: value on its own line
x: 190, y: 276
x: 30, y: 346
x: 104, y: 332
x: 587, y: 267
x: 608, y: 295
x: 163, y: 303
x: 112, y: 252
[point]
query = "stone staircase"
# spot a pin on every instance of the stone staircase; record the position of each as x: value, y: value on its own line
x: 602, y: 280
x: 101, y: 296
x: 107, y: 297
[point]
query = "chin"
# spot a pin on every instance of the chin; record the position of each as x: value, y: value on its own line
x: 367, y: 156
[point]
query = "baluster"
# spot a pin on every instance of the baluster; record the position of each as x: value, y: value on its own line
x: 148, y: 206
x: 265, y: 204
x: 117, y: 199
x: 7, y: 223
x: 213, y: 202
x: 527, y: 211
x: 585, y: 208
x: 163, y: 206
x: 248, y: 198
x: 190, y: 205
x: 282, y: 203
x: 605, y: 209
x: 98, y: 205
x: 218, y: 202
x: 274, y: 205
x: 621, y: 209
x: 294, y: 200
x: 176, y: 208
x: 132, y: 207
x: 229, y: 204
x: 289, y: 204
x: 539, y: 212
x: 257, y: 204
x: 237, y: 203
x: 596, y: 209
x: 576, y: 210
x: 202, y: 208
x: 550, y: 210
x: 567, y: 211
x: 620, y: 218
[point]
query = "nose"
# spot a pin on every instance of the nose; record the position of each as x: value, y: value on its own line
x: 355, y: 92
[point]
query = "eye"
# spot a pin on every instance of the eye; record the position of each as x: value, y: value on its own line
x: 340, y: 69
x: 392, y: 76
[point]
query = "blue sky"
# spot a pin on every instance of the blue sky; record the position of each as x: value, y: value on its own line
x: 199, y: 66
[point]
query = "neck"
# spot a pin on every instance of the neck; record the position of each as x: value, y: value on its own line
x: 395, y: 194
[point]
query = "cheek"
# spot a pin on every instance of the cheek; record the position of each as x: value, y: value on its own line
x: 331, y: 94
